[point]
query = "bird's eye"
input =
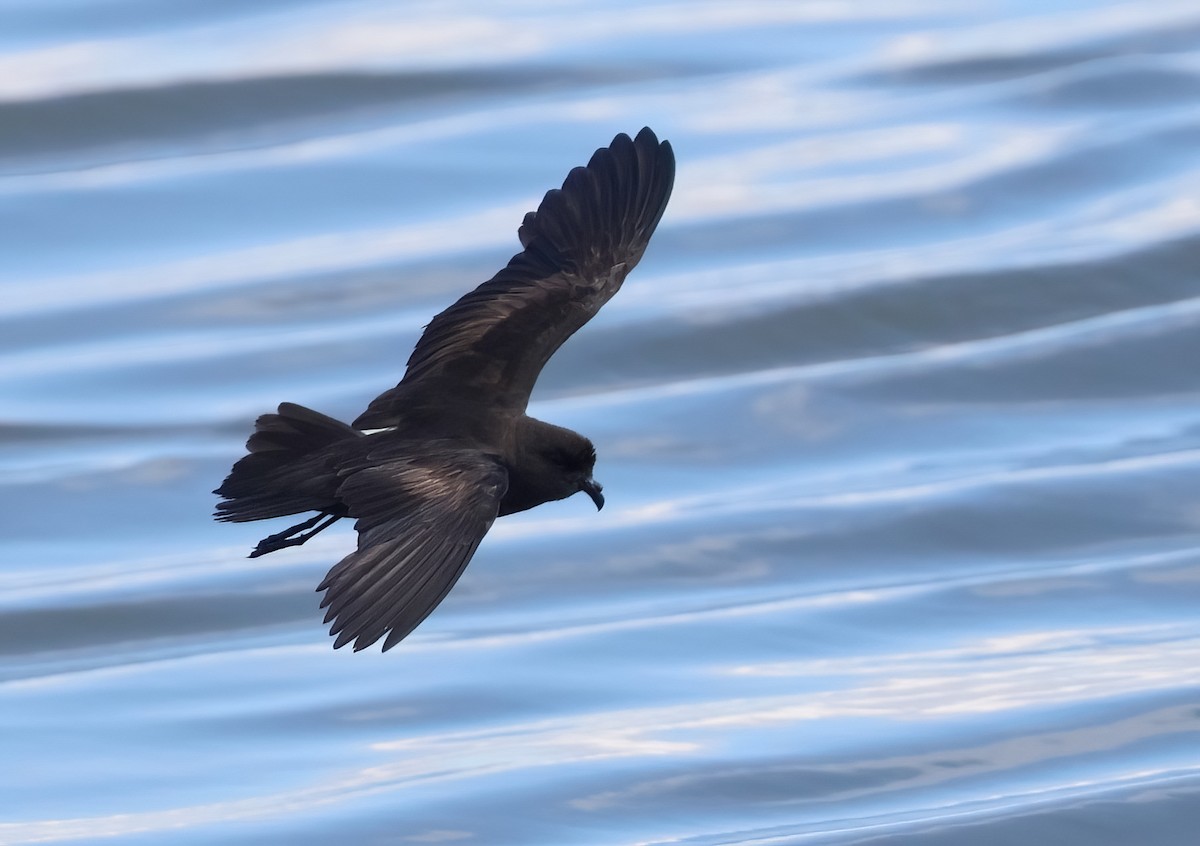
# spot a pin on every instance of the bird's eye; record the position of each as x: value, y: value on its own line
x: 575, y: 459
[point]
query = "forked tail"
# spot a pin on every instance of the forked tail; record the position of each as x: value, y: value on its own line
x: 289, y: 469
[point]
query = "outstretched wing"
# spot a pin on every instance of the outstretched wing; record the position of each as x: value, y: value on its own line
x: 490, y: 346
x: 420, y: 519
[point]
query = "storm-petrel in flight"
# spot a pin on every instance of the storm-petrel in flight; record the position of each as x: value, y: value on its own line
x: 454, y: 448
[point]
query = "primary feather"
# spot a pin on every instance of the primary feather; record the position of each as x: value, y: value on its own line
x: 456, y: 449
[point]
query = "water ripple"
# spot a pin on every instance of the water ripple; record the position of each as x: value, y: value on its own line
x: 898, y: 420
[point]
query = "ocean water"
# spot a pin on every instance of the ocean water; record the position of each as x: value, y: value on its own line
x: 898, y: 421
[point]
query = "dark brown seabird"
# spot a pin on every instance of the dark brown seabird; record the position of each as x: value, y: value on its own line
x: 455, y: 448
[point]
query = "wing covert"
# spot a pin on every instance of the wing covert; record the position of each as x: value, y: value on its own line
x: 420, y: 518
x: 580, y: 244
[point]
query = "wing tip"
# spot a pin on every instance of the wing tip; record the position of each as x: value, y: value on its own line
x: 622, y: 191
x: 363, y: 639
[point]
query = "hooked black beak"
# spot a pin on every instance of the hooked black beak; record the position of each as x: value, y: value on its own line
x: 592, y: 488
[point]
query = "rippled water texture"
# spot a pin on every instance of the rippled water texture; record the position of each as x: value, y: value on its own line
x: 899, y: 423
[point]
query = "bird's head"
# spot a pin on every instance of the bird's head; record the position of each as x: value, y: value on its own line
x: 577, y: 462
x: 551, y: 463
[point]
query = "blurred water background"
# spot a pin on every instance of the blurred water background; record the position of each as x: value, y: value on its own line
x: 899, y: 423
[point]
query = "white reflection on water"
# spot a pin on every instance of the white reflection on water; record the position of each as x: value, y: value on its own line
x: 1015, y: 346
x: 930, y: 560
x: 311, y: 255
x: 1018, y: 653
x: 754, y: 188
x: 1043, y: 30
x: 372, y: 36
x: 792, y: 495
x: 1029, y: 670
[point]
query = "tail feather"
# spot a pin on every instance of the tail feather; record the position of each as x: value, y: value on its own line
x: 287, y: 470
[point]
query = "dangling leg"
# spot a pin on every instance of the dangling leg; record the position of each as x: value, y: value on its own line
x: 285, y: 538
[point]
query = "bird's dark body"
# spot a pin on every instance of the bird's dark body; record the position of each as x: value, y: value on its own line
x: 433, y: 461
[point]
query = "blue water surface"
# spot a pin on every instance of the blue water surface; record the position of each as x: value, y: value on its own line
x: 898, y: 421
